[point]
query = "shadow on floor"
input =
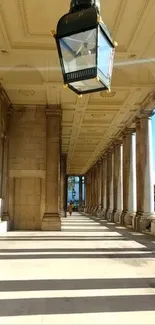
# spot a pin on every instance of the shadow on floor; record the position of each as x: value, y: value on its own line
x: 45, y: 306
x: 76, y: 284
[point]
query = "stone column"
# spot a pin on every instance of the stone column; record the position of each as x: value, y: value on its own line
x: 2, y: 145
x: 99, y: 183
x: 138, y: 174
x: 51, y: 219
x: 99, y: 188
x: 86, y: 190
x: 92, y: 191
x: 5, y: 133
x: 5, y: 185
x: 118, y: 181
x: 96, y: 189
x: 80, y: 194
x: 125, y: 159
x: 145, y: 188
x: 63, y: 186
x: 104, y: 187
x: 101, y: 175
x: 130, y: 175
x: 110, y: 184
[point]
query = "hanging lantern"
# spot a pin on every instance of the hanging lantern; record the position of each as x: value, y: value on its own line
x: 85, y: 48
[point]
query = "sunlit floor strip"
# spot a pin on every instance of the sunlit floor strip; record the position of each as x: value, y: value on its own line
x: 64, y: 233
x: 137, y: 318
x: 76, y: 253
x: 76, y: 293
x: 85, y: 222
x: 76, y: 244
x: 84, y: 227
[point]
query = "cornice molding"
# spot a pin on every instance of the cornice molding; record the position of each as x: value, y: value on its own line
x: 148, y: 103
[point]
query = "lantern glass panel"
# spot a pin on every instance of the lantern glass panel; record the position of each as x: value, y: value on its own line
x: 79, y: 51
x: 86, y: 85
x: 105, y: 58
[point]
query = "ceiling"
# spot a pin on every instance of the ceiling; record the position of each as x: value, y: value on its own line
x: 30, y: 72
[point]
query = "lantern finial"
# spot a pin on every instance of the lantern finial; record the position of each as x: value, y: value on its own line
x: 77, y: 5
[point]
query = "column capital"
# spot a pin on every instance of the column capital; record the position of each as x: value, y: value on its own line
x: 105, y: 155
x: 129, y: 131
x: 137, y: 122
x: 118, y: 142
x: 111, y: 148
x: 53, y: 110
x: 146, y: 114
x: 99, y: 162
x: 3, y: 136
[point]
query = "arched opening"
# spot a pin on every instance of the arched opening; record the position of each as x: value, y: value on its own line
x: 76, y: 192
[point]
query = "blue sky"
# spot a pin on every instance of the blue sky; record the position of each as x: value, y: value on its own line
x: 153, y: 143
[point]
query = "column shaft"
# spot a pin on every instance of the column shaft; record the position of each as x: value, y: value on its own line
x: 125, y: 159
x: 2, y: 139
x: 5, y: 185
x: 130, y: 177
x: 63, y: 186
x: 145, y: 190
x: 118, y: 182
x: 104, y: 187
x: 95, y: 190
x: 80, y: 194
x: 110, y: 184
x: 99, y: 184
x: 51, y: 219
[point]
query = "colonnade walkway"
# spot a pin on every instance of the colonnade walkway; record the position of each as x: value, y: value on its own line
x: 93, y: 272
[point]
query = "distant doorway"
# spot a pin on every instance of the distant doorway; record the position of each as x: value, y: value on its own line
x: 76, y: 192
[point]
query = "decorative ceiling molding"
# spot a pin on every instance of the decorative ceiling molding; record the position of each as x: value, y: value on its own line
x: 108, y: 94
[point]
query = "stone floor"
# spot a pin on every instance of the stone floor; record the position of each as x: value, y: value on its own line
x: 93, y: 272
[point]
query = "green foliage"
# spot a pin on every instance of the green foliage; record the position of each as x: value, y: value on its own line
x: 71, y: 183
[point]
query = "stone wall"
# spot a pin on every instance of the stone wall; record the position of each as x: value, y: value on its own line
x: 5, y: 112
x: 27, y: 159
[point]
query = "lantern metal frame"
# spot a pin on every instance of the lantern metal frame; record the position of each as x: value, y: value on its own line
x: 67, y: 26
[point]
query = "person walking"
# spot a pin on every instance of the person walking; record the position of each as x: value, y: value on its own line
x: 70, y: 208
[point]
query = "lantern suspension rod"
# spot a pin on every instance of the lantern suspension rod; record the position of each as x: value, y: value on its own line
x: 78, y: 5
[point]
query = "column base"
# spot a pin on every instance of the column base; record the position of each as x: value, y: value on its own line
x: 91, y: 210
x: 5, y: 216
x: 63, y: 214
x: 51, y: 222
x: 153, y: 227
x: 128, y: 218
x: 117, y: 216
x: 109, y: 215
x: 103, y: 213
x: 112, y: 215
x: 145, y: 221
x: 100, y: 213
x: 94, y: 211
x: 136, y: 221
x: 123, y: 214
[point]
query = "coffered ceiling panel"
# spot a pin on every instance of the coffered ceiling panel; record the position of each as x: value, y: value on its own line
x: 30, y: 71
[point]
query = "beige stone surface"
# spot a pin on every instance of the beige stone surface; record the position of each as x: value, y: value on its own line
x: 89, y: 273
